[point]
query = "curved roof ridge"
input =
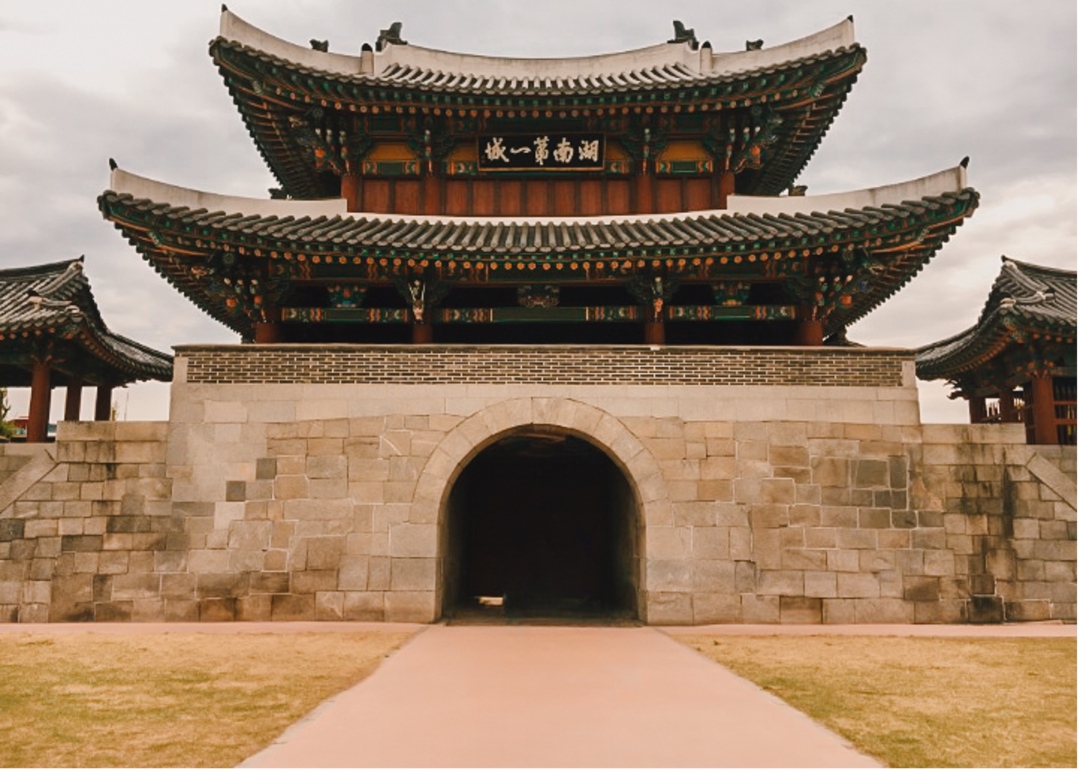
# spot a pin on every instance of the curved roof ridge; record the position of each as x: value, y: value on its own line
x: 37, y: 271
x: 416, y: 57
x: 840, y: 35
x: 1025, y: 287
x: 73, y: 270
x: 232, y: 27
x: 394, y: 60
x: 952, y: 180
x: 1028, y: 267
x: 946, y: 181
x: 141, y: 187
x: 1035, y: 289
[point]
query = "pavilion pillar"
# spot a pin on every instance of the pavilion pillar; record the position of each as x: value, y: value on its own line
x: 727, y: 187
x: 423, y: 333
x: 1042, y: 409
x: 103, y: 403
x: 350, y: 191
x: 432, y: 194
x: 809, y: 331
x: 1006, y: 405
x: 268, y: 330
x: 643, y: 193
x: 73, y: 399
x: 977, y: 409
x: 654, y: 331
x: 37, y: 429
x: 267, y: 333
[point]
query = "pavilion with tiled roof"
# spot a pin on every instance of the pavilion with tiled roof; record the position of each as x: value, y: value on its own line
x: 430, y: 196
x: 1022, y: 352
x: 748, y: 120
x: 51, y: 333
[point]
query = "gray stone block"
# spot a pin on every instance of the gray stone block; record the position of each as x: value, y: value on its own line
x: 716, y: 608
x: 800, y: 609
x: 760, y: 609
x: 780, y: 583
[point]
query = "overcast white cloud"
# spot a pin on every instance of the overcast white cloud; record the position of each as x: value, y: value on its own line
x: 81, y: 82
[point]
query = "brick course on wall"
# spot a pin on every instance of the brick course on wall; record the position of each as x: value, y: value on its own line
x: 543, y: 365
x: 289, y: 502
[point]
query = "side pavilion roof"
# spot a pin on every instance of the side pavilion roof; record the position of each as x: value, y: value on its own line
x: 271, y: 80
x: 849, y: 251
x: 1028, y: 305
x: 50, y: 310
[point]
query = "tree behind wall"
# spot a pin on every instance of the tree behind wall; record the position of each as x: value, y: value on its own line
x: 7, y: 429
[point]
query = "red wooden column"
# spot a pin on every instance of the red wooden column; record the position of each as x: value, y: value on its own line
x: 269, y: 330
x: 422, y: 332
x: 1006, y: 405
x: 103, y: 403
x: 643, y: 194
x: 809, y: 331
x: 1042, y: 409
x: 727, y: 187
x: 654, y: 331
x: 73, y: 399
x: 977, y: 409
x: 37, y: 429
x: 350, y: 191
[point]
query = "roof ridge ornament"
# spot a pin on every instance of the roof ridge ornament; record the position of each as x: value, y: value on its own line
x: 1040, y: 291
x: 684, y: 35
x: 390, y: 36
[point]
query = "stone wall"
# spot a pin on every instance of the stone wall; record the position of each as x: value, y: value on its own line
x: 771, y: 503
x: 84, y: 526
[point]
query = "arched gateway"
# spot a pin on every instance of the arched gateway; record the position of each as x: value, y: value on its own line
x: 543, y: 501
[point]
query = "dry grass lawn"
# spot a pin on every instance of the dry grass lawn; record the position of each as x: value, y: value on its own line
x: 168, y: 700
x: 923, y: 702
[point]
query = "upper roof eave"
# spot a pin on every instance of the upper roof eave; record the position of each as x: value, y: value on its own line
x: 953, y: 180
x: 697, y: 64
x: 949, y: 180
x: 141, y: 187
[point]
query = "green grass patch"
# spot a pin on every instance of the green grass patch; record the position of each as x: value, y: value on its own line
x: 168, y: 700
x: 922, y: 702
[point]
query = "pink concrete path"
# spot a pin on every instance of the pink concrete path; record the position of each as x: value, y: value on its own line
x: 540, y: 696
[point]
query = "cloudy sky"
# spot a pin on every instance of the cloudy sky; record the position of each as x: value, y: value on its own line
x: 81, y: 82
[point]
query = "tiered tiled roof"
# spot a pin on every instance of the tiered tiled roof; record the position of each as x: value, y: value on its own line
x: 852, y: 250
x: 1029, y: 306
x: 273, y: 81
x: 50, y: 308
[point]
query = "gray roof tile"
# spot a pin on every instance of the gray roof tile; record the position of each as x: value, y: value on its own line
x: 55, y: 299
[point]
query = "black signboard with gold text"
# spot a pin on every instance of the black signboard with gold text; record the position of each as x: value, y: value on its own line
x: 541, y: 152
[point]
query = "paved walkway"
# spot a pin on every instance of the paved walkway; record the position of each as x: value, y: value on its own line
x: 536, y: 696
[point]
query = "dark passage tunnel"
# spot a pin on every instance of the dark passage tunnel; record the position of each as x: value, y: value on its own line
x: 547, y: 522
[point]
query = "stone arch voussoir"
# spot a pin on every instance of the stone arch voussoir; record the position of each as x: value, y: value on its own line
x: 588, y: 422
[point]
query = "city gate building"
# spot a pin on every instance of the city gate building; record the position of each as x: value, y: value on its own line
x: 562, y: 335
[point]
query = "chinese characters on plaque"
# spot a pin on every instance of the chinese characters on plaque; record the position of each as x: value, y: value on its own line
x: 541, y: 152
